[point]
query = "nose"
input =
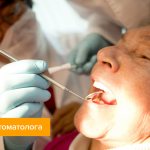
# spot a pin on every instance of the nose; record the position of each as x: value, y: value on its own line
x: 107, y: 57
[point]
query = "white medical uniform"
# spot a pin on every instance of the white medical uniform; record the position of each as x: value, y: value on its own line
x: 108, y: 17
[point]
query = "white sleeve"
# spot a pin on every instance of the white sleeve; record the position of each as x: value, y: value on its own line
x: 98, y: 22
x: 101, y: 24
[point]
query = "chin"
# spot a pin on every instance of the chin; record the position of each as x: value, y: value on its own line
x: 89, y: 126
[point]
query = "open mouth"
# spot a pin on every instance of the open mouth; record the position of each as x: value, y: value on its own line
x: 102, y: 95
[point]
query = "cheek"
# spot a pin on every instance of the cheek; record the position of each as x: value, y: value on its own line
x: 137, y: 89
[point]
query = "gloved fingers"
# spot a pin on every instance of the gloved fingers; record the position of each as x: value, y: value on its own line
x: 94, y: 59
x: 72, y: 57
x: 82, y: 54
x: 38, y: 114
x: 24, y: 66
x: 14, y: 98
x: 79, y: 70
x: 10, y: 82
x: 26, y: 110
x: 88, y: 47
x: 88, y: 66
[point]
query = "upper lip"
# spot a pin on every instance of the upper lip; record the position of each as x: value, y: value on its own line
x: 101, y: 86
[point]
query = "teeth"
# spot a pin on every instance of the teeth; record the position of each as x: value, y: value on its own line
x: 101, y: 86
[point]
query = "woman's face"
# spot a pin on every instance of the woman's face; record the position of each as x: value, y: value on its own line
x: 122, y: 72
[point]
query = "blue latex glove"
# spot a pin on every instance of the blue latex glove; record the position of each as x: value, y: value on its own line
x: 22, y: 93
x: 84, y: 54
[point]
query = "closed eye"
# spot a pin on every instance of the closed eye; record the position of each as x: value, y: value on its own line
x: 144, y: 57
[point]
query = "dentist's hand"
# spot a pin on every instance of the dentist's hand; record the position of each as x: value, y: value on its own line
x: 84, y: 54
x: 22, y: 93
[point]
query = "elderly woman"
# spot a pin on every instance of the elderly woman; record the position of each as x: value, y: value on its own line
x: 118, y: 116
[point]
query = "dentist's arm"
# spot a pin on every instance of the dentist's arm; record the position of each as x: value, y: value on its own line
x: 22, y: 93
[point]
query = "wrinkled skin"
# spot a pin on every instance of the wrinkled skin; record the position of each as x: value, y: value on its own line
x: 125, y: 70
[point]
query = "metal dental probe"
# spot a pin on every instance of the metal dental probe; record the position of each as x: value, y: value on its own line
x: 5, y: 54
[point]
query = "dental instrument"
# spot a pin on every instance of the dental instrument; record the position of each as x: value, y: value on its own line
x: 95, y: 97
x: 55, y: 69
x: 11, y: 58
